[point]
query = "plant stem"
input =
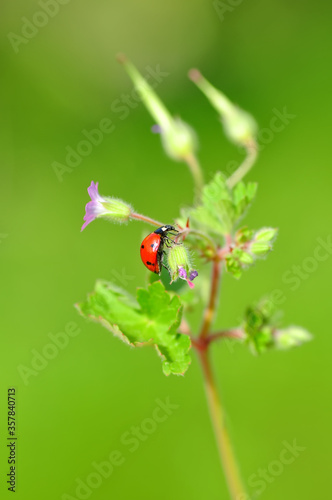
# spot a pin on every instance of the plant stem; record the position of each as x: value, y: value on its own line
x: 234, y: 333
x: 210, y: 310
x: 246, y: 165
x: 196, y: 172
x: 146, y: 219
x: 202, y: 344
x: 226, y: 453
x: 199, y: 234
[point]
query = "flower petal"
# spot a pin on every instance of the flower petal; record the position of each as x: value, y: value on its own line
x: 193, y: 275
x: 93, y: 191
x: 182, y: 273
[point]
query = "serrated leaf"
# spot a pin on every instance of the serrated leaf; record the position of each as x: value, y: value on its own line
x: 243, y: 195
x: 220, y: 208
x: 233, y: 266
x: 154, y: 319
x: 243, y: 235
x: 261, y: 327
x: 237, y: 261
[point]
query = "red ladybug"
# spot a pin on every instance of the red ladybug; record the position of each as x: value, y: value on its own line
x: 152, y: 247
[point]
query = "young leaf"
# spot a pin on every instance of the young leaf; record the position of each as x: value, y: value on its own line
x: 260, y: 325
x: 154, y: 319
x: 220, y: 208
x: 257, y: 325
x: 249, y: 246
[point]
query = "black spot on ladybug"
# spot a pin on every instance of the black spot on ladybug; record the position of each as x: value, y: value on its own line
x: 142, y: 246
x: 149, y: 263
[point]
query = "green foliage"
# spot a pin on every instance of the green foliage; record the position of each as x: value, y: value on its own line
x: 220, y: 208
x: 237, y: 261
x: 261, y: 326
x: 249, y: 246
x: 258, y: 325
x: 153, y: 319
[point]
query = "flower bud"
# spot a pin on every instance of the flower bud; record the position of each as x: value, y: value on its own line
x: 292, y: 336
x: 179, y: 264
x: 178, y: 138
x: 262, y: 241
x: 239, y: 126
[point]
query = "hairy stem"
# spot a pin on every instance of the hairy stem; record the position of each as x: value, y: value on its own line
x: 246, y: 165
x: 196, y: 172
x: 226, y: 453
x: 210, y: 309
x: 202, y: 344
x: 146, y: 219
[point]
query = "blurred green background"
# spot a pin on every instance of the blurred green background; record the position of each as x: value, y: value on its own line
x: 64, y: 79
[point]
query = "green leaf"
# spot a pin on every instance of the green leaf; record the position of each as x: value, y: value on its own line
x: 243, y: 235
x: 233, y: 266
x: 249, y: 246
x: 243, y: 195
x: 238, y: 260
x: 257, y: 325
x: 220, y: 208
x: 261, y: 327
x: 153, y: 319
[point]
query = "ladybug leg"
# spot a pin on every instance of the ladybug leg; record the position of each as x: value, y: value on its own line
x: 169, y: 242
x: 160, y: 258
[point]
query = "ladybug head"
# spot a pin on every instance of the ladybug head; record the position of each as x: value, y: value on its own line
x: 163, y: 230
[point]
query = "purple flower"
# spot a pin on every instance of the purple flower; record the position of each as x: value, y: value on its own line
x: 193, y: 275
x: 109, y: 208
x: 183, y: 275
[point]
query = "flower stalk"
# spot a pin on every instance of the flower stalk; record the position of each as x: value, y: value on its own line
x: 178, y: 138
x: 144, y: 218
x: 211, y: 307
x: 225, y: 449
x: 246, y: 165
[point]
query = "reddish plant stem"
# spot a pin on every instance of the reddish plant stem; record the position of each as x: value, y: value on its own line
x: 210, y: 310
x: 146, y: 219
x: 202, y: 343
x: 235, y: 333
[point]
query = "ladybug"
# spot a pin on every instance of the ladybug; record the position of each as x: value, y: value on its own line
x: 152, y: 247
